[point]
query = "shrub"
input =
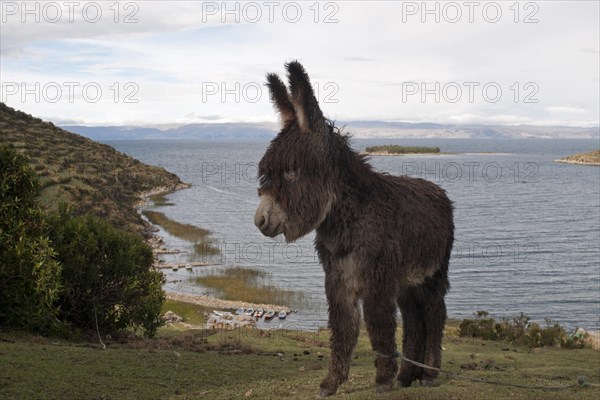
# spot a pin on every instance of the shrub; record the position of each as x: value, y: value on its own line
x: 29, y: 273
x: 520, y: 330
x: 482, y: 327
x: 108, y: 281
x: 78, y: 270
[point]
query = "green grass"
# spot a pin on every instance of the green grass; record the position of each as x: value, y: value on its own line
x: 160, y: 200
x: 187, y: 232
x: 190, y: 233
x: 244, y: 364
x: 204, y: 248
x: 245, y: 284
x: 191, y: 313
x: 396, y: 149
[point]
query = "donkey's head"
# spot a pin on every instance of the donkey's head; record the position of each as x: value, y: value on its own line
x: 295, y: 173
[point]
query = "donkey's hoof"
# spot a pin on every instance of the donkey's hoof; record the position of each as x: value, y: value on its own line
x: 427, y: 383
x: 384, y: 387
x: 404, y: 382
x: 325, y: 392
x: 328, y: 387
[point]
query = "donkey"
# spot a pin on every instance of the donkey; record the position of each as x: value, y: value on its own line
x: 383, y: 240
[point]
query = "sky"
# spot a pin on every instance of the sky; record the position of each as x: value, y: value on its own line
x: 175, y: 62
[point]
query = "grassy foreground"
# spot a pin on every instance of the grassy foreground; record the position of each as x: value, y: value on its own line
x: 277, y: 364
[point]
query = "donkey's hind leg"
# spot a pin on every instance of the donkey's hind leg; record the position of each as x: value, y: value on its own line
x: 380, y: 318
x: 413, y: 337
x: 435, y: 320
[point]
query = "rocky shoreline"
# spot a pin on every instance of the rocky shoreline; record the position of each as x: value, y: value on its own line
x: 144, y: 197
x: 159, y: 247
x: 155, y: 242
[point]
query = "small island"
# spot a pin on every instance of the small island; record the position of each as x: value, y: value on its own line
x: 391, y: 150
x: 590, y: 158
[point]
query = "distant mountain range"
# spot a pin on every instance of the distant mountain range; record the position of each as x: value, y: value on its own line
x: 358, y: 129
x: 191, y: 131
x: 380, y: 129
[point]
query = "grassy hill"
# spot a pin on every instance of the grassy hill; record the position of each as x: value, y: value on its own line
x: 93, y: 177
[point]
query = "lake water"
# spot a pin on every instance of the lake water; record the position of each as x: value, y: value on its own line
x: 527, y: 228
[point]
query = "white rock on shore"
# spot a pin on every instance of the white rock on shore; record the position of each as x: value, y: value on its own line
x: 229, y: 321
x: 171, y: 318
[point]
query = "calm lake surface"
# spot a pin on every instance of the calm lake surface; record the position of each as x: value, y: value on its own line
x: 527, y: 228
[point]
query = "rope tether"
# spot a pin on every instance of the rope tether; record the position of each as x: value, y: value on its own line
x: 581, y: 380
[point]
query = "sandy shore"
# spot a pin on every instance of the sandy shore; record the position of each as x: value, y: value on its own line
x: 218, y: 304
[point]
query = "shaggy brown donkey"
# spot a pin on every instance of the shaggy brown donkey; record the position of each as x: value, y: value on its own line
x: 384, y: 240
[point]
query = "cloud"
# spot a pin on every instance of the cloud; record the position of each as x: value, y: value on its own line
x: 565, y: 109
x: 360, y: 59
x: 186, y: 60
x: 492, y: 119
x: 47, y: 21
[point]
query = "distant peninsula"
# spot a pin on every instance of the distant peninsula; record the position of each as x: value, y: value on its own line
x: 395, y: 150
x: 590, y: 158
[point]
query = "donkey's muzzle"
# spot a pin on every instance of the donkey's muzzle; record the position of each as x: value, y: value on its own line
x: 268, y: 217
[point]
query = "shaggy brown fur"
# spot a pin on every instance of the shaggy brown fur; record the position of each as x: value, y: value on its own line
x: 383, y: 240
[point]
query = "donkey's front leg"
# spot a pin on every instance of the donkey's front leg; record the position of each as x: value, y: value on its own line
x: 344, y: 320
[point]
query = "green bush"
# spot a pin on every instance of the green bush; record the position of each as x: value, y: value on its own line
x: 520, y: 330
x: 29, y: 273
x: 482, y: 327
x: 62, y: 271
x: 108, y: 281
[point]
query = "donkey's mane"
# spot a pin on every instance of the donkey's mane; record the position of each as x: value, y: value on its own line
x: 353, y: 166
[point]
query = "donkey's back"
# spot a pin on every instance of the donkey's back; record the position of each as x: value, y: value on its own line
x: 420, y: 227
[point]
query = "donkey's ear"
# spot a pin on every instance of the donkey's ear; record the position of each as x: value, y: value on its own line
x: 280, y: 98
x: 309, y: 115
